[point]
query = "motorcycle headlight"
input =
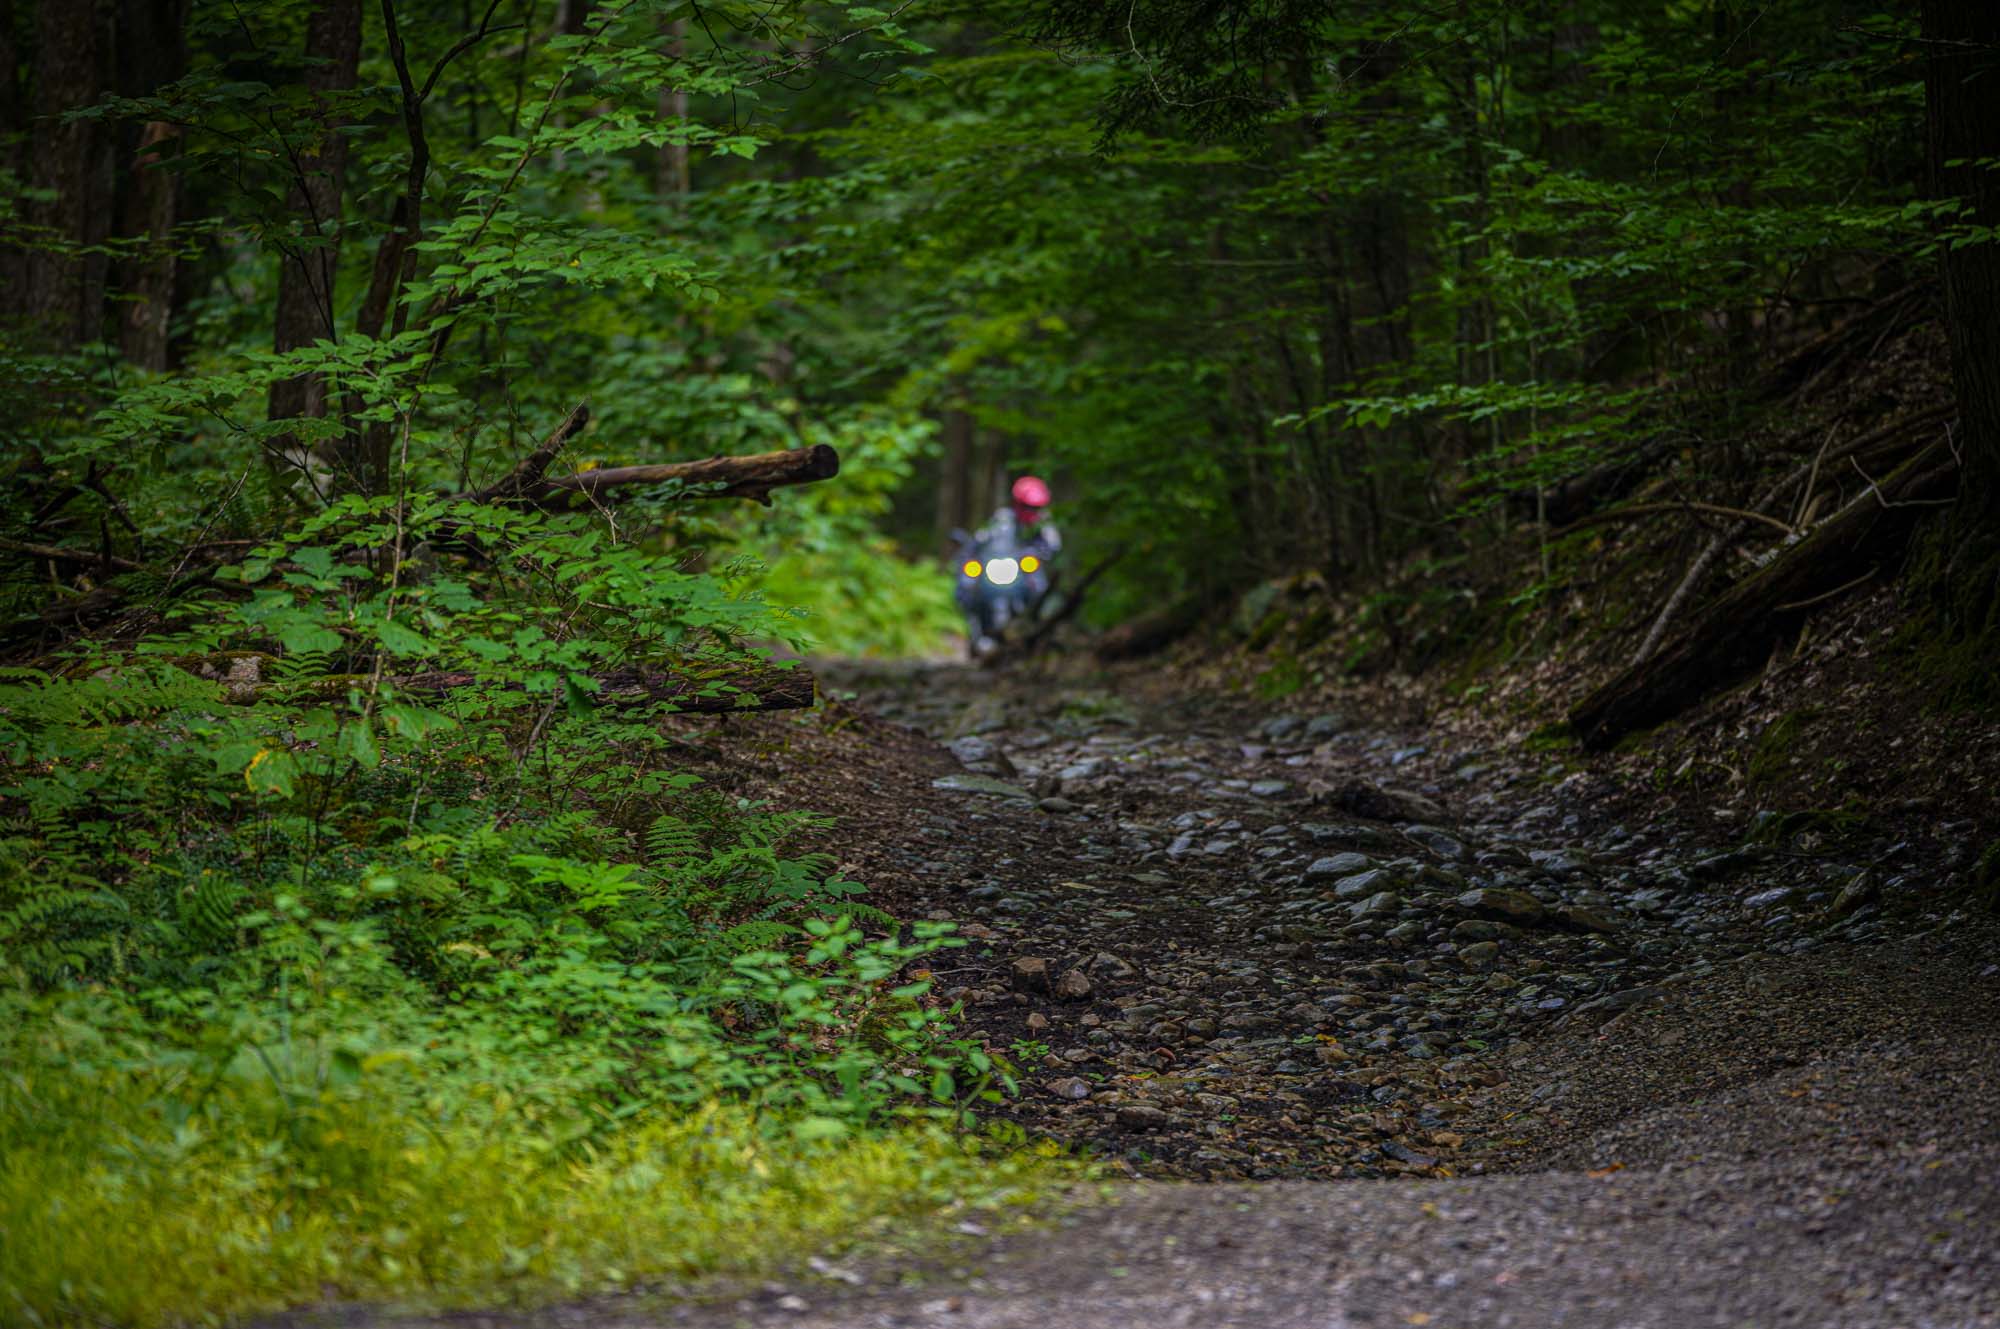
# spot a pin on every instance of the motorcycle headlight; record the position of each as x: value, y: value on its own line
x: 1031, y: 564
x: 1003, y: 572
x: 971, y: 568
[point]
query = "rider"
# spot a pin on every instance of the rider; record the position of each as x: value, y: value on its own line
x: 1029, y: 515
x: 1023, y: 527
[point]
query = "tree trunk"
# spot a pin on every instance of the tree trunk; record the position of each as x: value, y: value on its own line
x: 670, y: 169
x: 152, y: 52
x: 63, y: 285
x: 305, y: 311
x: 1962, y: 97
x: 13, y: 156
x: 954, y: 491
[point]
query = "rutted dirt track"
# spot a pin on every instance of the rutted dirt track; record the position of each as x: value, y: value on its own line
x: 1734, y: 1078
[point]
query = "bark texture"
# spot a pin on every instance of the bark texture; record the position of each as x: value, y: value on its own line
x: 753, y: 477
x: 305, y: 311
x: 152, y: 52
x: 62, y: 285
x: 1962, y: 96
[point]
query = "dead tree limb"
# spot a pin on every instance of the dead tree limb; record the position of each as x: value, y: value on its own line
x: 1806, y: 473
x: 1741, y: 515
x: 752, y: 477
x: 528, y: 472
x: 67, y: 554
x: 1738, y: 629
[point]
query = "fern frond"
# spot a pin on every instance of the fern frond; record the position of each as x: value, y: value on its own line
x: 670, y: 841
x: 756, y: 935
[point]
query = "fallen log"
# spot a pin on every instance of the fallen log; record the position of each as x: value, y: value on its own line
x: 69, y: 554
x: 752, y: 477
x: 1576, y: 496
x: 1736, y: 632
x: 1152, y: 633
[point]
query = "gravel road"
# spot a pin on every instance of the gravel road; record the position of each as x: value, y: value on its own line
x: 1387, y: 1030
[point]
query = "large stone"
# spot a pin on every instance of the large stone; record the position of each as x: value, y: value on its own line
x: 1106, y: 965
x: 1385, y: 803
x: 981, y: 755
x: 1030, y: 974
x: 1508, y: 906
x: 1376, y: 906
x: 1584, y: 918
x: 1479, y: 955
x: 1438, y: 842
x: 1861, y: 891
x: 1074, y: 985
x: 1280, y: 727
x: 1325, y: 726
x: 1141, y: 1117
x: 1337, y: 865
x: 967, y: 783
x: 1774, y: 898
x: 1362, y: 884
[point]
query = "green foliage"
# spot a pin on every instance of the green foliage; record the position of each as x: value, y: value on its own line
x: 339, y: 957
x: 312, y: 1148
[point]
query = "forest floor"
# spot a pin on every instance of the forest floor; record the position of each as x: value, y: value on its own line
x: 1458, y: 1035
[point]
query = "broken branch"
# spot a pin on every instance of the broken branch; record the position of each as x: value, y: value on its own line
x: 752, y: 477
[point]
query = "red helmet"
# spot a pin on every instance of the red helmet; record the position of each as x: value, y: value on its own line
x: 1031, y: 492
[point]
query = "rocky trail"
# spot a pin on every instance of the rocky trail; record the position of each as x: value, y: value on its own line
x: 1627, y: 1071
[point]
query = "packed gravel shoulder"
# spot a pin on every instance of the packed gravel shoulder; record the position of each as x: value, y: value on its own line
x: 1813, y: 1141
x: 1853, y: 1053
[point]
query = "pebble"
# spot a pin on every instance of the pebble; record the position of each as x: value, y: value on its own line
x: 1030, y: 974
x: 1074, y: 985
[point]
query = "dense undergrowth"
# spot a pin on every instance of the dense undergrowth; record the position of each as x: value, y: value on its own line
x: 322, y: 978
x: 361, y: 931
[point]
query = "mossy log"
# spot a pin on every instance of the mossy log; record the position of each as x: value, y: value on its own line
x: 1736, y: 632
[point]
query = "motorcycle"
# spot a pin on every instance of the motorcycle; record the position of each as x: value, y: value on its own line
x: 1000, y: 578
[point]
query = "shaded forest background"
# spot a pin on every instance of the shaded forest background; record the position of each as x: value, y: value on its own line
x: 1266, y: 287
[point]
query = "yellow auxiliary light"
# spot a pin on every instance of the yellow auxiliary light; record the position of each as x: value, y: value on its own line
x: 971, y: 568
x: 1031, y: 564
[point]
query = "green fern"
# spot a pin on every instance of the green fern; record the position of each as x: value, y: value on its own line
x: 670, y: 842
x: 32, y: 701
x: 210, y: 907
x: 756, y: 935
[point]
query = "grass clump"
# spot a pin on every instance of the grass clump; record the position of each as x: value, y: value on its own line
x: 154, y: 1186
